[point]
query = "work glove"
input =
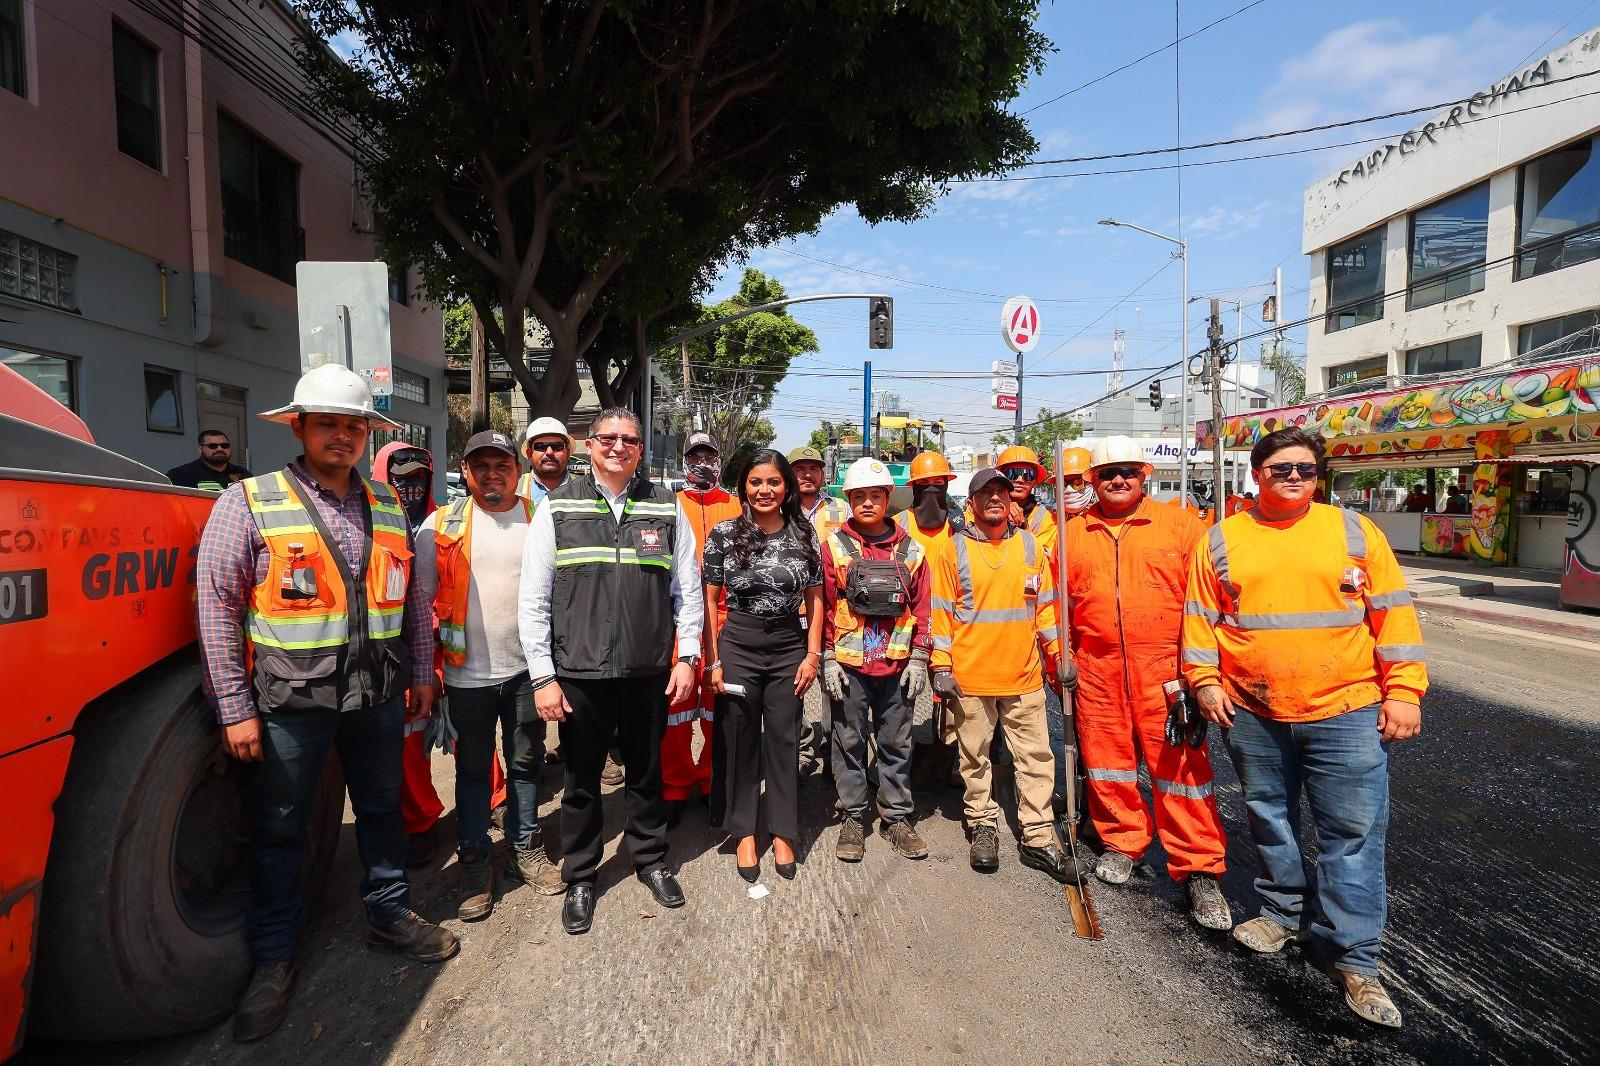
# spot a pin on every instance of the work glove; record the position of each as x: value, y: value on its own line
x: 1175, y: 724
x: 1065, y: 672
x: 914, y: 681
x: 1197, y: 727
x: 833, y: 680
x: 944, y: 683
x: 441, y: 732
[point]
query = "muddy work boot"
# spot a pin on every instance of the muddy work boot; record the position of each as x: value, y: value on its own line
x: 1206, y: 904
x: 1114, y: 868
x: 532, y: 866
x: 985, y: 853
x: 613, y: 774
x: 852, y: 843
x: 414, y: 937
x: 265, y: 1002
x: 1265, y: 936
x: 1365, y: 995
x: 905, y: 840
x: 476, y: 900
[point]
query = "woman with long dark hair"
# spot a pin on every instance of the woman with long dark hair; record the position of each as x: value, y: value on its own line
x: 767, y: 653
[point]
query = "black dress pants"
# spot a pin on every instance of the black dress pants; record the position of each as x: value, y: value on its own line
x: 762, y: 727
x: 634, y: 711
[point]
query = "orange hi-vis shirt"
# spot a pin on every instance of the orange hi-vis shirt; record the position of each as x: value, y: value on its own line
x: 1304, y: 619
x: 704, y: 510
x: 993, y: 608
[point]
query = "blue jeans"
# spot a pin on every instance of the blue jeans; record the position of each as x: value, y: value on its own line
x: 1056, y: 725
x: 1342, y: 766
x: 474, y: 712
x: 294, y: 747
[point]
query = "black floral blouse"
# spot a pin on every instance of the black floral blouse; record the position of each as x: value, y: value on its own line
x: 775, y: 582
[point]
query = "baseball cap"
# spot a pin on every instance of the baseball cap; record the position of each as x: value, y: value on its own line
x: 805, y: 455
x: 699, y: 440
x: 490, y: 438
x: 983, y: 477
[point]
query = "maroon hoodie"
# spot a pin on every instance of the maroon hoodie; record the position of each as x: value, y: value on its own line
x: 877, y: 629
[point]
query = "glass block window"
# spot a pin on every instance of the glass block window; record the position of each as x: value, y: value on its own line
x: 409, y: 386
x: 37, y: 272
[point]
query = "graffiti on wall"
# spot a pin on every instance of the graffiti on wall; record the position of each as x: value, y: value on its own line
x: 1489, y: 537
x: 1436, y: 416
x: 1580, y: 567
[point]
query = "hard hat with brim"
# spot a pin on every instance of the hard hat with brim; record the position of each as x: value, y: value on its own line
x: 546, y: 427
x: 330, y: 389
x: 984, y: 477
x: 929, y: 465
x: 867, y: 473
x: 1119, y: 450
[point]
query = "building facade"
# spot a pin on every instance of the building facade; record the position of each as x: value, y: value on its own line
x: 162, y: 178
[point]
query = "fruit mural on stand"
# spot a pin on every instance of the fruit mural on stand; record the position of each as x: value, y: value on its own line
x: 1434, y: 417
x: 1489, y: 539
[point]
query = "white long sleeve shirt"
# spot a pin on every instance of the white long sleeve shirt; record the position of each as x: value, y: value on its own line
x: 539, y: 581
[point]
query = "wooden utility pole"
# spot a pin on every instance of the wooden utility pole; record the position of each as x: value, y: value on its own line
x: 1219, y: 492
x: 688, y: 386
x: 480, y: 376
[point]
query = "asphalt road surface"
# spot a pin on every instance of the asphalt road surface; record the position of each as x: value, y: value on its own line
x: 1490, y: 949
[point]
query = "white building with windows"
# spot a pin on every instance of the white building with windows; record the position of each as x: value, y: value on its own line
x: 1468, y: 241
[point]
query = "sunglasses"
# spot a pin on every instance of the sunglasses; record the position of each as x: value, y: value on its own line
x: 1022, y: 474
x: 549, y: 445
x: 1281, y: 471
x: 611, y: 440
x: 410, y: 456
x: 224, y: 445
x: 1126, y: 473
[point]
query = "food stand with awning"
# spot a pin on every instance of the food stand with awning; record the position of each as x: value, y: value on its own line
x: 1494, y: 421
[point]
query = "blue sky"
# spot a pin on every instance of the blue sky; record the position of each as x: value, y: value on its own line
x: 1282, y: 64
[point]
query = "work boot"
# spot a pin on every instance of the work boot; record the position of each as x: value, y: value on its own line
x: 1114, y: 868
x: 1265, y: 936
x: 904, y: 839
x: 421, y: 848
x: 1365, y: 995
x: 476, y: 901
x: 613, y: 773
x: 985, y: 853
x: 852, y: 843
x: 532, y: 866
x: 497, y: 817
x: 265, y: 1002
x: 1206, y: 904
x: 1046, y: 857
x: 414, y: 937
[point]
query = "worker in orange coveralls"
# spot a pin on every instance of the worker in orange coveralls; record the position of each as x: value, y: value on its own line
x: 706, y: 503
x: 408, y: 469
x: 1127, y: 561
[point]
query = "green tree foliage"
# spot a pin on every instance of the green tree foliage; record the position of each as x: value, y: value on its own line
x: 1042, y: 433
x: 596, y: 162
x: 837, y: 430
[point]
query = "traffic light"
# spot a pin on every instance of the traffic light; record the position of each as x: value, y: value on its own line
x: 1155, y: 395
x: 880, y: 322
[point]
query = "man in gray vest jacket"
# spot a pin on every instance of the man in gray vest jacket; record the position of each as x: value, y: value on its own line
x: 610, y: 573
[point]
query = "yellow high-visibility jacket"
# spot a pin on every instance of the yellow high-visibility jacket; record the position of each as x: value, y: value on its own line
x: 1301, y: 620
x: 993, y: 610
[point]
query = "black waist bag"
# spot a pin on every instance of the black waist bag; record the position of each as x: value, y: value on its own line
x: 876, y: 588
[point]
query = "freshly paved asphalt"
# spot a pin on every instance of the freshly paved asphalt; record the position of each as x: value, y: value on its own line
x: 1489, y: 951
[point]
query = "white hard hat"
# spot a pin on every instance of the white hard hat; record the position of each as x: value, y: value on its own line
x: 546, y: 427
x: 868, y: 473
x: 330, y: 389
x: 1118, y: 449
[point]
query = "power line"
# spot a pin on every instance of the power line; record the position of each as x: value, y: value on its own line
x: 1150, y: 54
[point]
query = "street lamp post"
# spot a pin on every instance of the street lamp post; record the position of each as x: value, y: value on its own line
x: 1183, y: 366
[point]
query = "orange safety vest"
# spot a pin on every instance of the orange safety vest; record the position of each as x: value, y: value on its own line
x: 828, y: 515
x: 849, y: 628
x: 925, y: 537
x: 452, y: 544
x: 299, y: 620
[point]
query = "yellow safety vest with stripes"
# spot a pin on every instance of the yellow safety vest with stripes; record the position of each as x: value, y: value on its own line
x: 452, y: 541
x: 849, y: 628
x: 302, y: 619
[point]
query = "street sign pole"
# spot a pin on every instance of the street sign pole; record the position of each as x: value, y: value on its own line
x: 866, y: 407
x: 1019, y: 325
x: 1018, y: 421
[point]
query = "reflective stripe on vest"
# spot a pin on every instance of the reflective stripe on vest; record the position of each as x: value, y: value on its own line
x: 850, y: 630
x: 452, y: 543
x: 323, y: 619
x: 1355, y: 546
x: 964, y: 609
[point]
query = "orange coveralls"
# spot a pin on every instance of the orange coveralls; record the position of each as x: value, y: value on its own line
x: 1127, y: 586
x: 680, y: 776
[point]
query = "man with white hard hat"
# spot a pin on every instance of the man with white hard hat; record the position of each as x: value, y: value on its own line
x: 876, y: 645
x: 548, y: 448
x: 311, y: 632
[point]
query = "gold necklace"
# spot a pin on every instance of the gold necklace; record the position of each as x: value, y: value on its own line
x: 1005, y: 554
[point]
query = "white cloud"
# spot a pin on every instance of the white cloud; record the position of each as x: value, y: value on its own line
x: 1229, y: 220
x: 1384, y: 65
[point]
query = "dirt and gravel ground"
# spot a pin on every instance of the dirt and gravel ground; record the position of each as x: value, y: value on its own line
x: 1489, y: 950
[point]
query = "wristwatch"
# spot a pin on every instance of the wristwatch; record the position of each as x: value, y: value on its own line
x: 692, y: 660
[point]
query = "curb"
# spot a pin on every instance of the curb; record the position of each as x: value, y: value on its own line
x: 1517, y: 621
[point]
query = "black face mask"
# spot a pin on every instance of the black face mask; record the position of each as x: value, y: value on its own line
x: 413, y: 493
x: 930, y: 504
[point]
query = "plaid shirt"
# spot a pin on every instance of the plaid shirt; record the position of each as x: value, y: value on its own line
x: 233, y: 554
